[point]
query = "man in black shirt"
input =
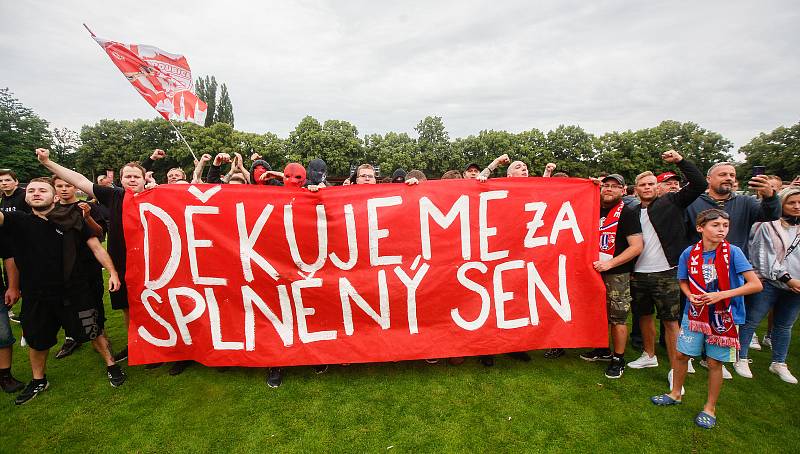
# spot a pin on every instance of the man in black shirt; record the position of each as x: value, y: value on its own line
x: 8, y: 383
x: 50, y: 279
x: 98, y: 224
x: 132, y: 178
x: 620, y: 242
x: 12, y: 197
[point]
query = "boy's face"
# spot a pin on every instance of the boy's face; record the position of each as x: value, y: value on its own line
x: 714, y: 230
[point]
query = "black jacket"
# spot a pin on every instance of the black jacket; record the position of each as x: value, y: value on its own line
x: 666, y: 212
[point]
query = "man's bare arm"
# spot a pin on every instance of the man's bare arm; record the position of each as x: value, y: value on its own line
x: 70, y: 176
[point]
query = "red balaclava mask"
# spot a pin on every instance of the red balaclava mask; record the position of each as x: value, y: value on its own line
x: 257, y: 172
x: 294, y: 175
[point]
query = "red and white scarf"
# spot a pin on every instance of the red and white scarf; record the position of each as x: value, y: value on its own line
x: 608, y: 232
x: 713, y: 320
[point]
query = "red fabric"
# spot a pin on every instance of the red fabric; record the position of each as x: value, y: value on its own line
x: 252, y: 340
x: 719, y: 328
x: 163, y: 79
x: 608, y: 232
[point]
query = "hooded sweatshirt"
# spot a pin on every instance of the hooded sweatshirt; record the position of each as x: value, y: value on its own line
x: 770, y: 247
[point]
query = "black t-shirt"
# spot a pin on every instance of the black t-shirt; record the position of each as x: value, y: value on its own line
x: 40, y: 258
x: 628, y: 225
x: 14, y: 202
x: 86, y: 265
x: 5, y: 252
x: 112, y: 199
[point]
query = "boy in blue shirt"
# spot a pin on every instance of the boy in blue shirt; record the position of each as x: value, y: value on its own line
x: 714, y: 276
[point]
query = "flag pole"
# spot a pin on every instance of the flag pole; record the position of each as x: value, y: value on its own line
x: 182, y: 138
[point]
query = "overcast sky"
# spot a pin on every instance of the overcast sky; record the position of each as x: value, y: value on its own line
x: 731, y: 66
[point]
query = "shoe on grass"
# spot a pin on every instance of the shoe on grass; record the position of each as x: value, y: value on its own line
x: 726, y: 373
x: 487, y: 361
x: 616, y: 368
x: 520, y: 356
x: 598, y: 354
x: 782, y: 371
x: 70, y: 345
x: 690, y: 366
x: 554, y: 353
x: 669, y: 380
x: 122, y: 355
x: 664, y: 400
x: 742, y: 368
x: 14, y: 317
x: 32, y: 390
x: 321, y: 369
x: 178, y: 367
x: 274, y: 377
x: 10, y: 384
x: 705, y: 420
x: 767, y: 341
x: 754, y: 342
x: 644, y: 361
x: 115, y: 375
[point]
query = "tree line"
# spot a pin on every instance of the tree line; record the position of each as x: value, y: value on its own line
x: 109, y: 144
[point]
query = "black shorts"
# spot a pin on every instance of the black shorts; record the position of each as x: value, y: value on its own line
x: 84, y: 314
x: 43, y: 316
x: 119, y: 299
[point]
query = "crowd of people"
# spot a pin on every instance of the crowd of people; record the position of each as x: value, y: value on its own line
x: 707, y: 260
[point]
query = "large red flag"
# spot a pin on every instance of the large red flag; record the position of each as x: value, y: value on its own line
x: 163, y: 79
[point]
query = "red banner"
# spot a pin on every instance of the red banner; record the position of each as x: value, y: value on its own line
x: 268, y: 276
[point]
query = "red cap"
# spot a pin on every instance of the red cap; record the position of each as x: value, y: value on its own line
x: 666, y: 176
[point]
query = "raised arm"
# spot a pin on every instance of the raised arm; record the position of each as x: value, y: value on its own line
x: 70, y: 176
x: 197, y: 177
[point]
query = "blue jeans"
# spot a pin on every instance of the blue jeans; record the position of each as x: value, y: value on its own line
x: 6, y: 336
x: 787, y: 307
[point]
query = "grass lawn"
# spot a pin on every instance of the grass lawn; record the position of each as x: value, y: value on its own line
x: 563, y: 405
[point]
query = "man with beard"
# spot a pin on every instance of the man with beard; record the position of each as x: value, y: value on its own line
x: 654, y: 284
x: 620, y: 243
x: 132, y: 178
x: 50, y: 278
x: 744, y: 211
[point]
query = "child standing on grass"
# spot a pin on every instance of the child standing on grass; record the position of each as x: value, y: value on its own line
x: 714, y: 275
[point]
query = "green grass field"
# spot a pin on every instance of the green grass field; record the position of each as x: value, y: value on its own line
x: 563, y: 405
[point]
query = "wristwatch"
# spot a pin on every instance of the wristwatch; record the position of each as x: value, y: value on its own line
x: 785, y: 278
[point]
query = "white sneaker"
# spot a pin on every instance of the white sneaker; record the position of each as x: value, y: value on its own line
x: 767, y: 341
x: 644, y: 361
x: 669, y: 380
x: 783, y: 372
x: 742, y: 367
x: 725, y: 374
x: 690, y: 366
x: 754, y: 342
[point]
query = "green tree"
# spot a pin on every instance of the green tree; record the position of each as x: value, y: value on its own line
x: 65, y: 146
x: 224, y: 113
x: 778, y: 151
x: 434, y: 146
x: 21, y: 132
x: 572, y: 150
x: 206, y: 90
x: 392, y: 151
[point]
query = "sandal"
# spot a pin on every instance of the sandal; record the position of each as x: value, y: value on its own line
x: 664, y: 400
x: 705, y: 420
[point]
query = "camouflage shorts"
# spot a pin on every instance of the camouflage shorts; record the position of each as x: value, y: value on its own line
x: 657, y: 292
x: 618, y: 297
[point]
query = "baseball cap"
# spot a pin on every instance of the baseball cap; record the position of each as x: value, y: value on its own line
x: 666, y: 176
x: 614, y: 176
x: 472, y: 164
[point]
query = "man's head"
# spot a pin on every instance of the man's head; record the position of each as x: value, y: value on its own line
x: 517, y: 169
x: 416, y: 174
x: 8, y: 181
x: 775, y: 182
x: 646, y: 186
x: 317, y: 172
x: 452, y: 175
x: 237, y: 178
x: 472, y: 171
x: 64, y: 191
x: 399, y: 176
x: 175, y: 175
x: 611, y: 190
x: 668, y: 182
x: 721, y: 179
x: 365, y: 174
x: 131, y: 176
x: 294, y: 175
x: 40, y: 194
x: 713, y: 225
x: 103, y: 180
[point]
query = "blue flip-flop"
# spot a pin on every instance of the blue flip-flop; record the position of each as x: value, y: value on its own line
x: 664, y: 400
x: 705, y: 420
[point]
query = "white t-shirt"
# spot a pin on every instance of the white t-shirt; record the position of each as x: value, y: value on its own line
x: 652, y: 258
